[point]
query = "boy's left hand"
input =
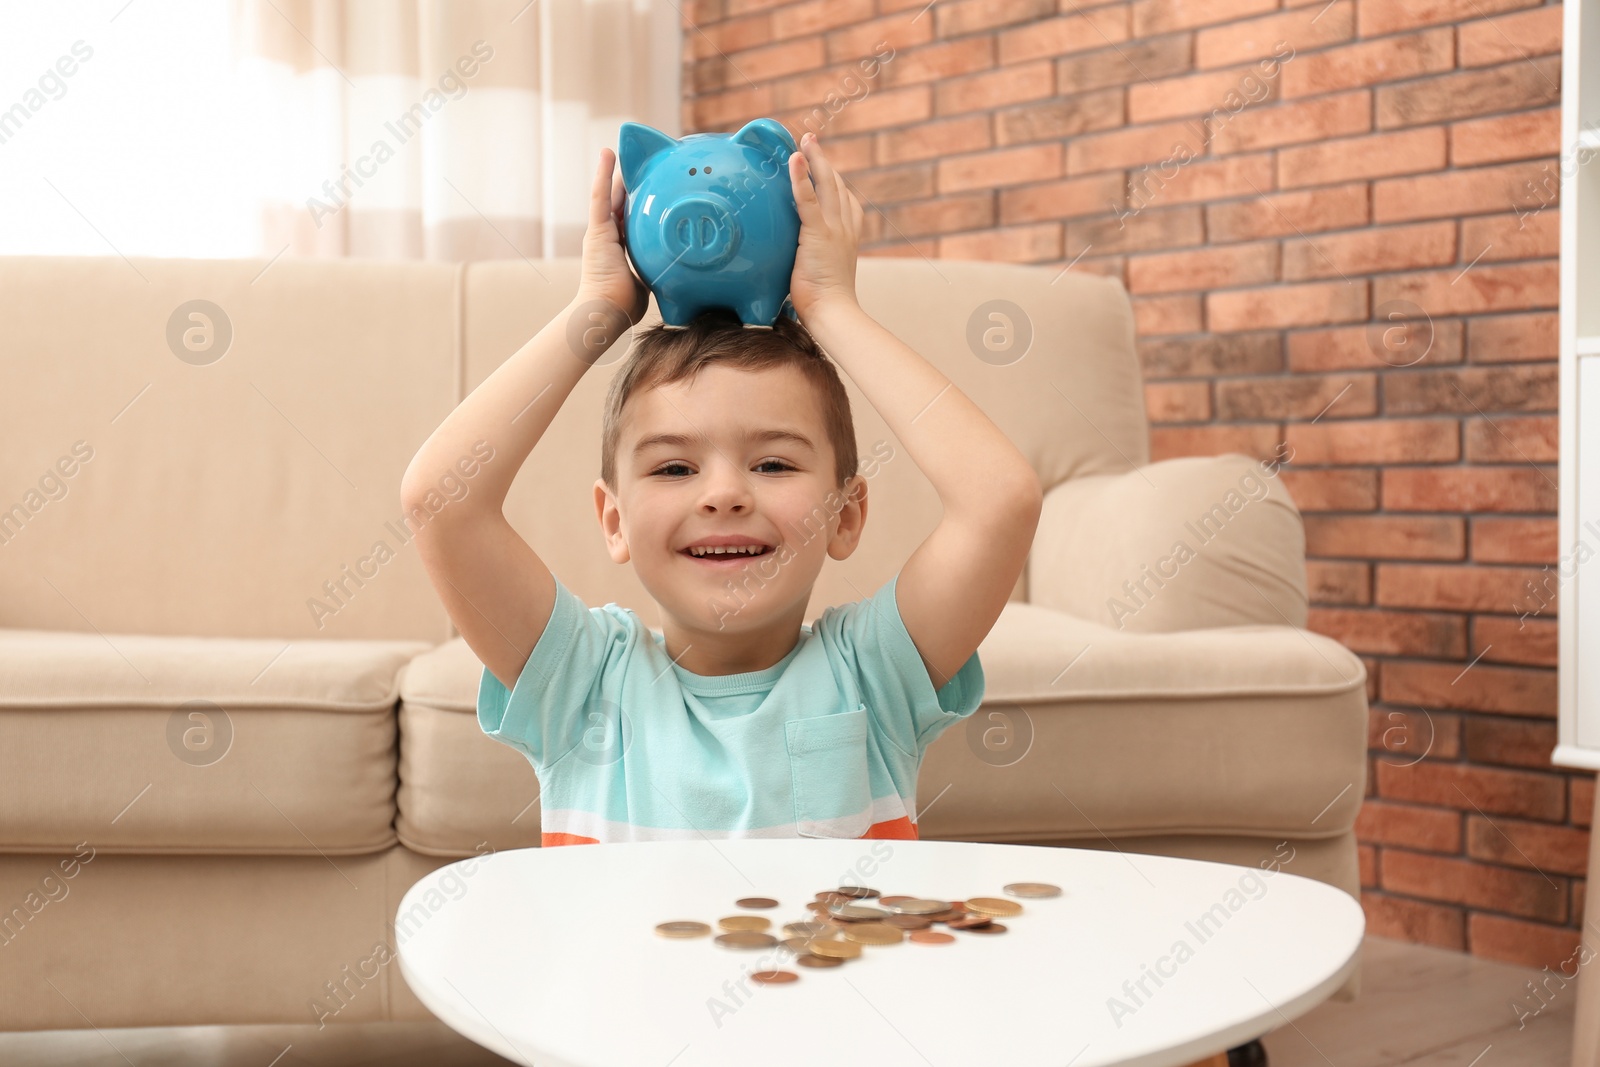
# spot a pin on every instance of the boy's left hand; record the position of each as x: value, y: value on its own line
x: 830, y: 224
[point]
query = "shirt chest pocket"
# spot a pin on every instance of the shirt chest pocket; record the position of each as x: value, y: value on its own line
x: 832, y: 781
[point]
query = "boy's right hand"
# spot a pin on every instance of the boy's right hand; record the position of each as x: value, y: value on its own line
x: 607, y: 275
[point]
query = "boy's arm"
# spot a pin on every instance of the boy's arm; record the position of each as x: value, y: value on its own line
x: 952, y: 589
x: 497, y: 592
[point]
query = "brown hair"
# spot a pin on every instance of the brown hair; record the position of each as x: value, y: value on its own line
x: 662, y: 355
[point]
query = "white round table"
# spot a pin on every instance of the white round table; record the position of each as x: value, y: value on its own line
x: 550, y: 956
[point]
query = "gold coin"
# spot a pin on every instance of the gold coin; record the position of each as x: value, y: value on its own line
x: 909, y: 922
x: 774, y: 977
x: 987, y: 928
x: 744, y: 922
x: 819, y: 961
x: 755, y: 902
x: 809, y: 929
x: 682, y: 928
x: 860, y: 892
x: 995, y: 906
x: 874, y: 934
x: 918, y: 906
x: 1033, y: 889
x: 839, y: 950
x: 745, y: 939
x: 931, y: 937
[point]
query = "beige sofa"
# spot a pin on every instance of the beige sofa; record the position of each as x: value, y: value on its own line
x: 235, y: 724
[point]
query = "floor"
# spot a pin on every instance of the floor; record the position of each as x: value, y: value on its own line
x: 1419, y: 1007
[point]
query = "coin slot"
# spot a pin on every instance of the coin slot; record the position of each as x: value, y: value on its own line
x: 832, y: 781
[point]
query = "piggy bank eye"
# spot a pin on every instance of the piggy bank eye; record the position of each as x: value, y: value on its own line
x: 691, y: 170
x: 708, y: 170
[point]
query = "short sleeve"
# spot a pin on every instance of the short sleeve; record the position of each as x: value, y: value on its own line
x: 545, y: 714
x: 894, y: 682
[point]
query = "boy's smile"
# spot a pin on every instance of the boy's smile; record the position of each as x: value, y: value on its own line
x: 729, y: 458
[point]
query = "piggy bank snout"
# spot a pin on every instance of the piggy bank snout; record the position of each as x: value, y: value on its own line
x: 700, y: 232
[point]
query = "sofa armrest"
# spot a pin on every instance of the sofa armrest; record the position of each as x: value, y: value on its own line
x: 1190, y: 543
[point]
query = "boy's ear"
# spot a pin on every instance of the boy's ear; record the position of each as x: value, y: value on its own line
x: 636, y: 143
x: 610, y: 522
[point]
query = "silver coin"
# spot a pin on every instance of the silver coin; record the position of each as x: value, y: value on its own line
x: 919, y: 906
x: 1032, y: 889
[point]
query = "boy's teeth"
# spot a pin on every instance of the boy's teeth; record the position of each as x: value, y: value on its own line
x: 740, y: 550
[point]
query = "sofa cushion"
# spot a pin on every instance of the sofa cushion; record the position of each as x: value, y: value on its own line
x: 1084, y: 730
x: 135, y: 743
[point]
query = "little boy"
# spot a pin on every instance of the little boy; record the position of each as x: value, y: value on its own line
x: 729, y: 474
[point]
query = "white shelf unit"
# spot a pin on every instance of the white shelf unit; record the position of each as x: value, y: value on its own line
x: 1577, y: 572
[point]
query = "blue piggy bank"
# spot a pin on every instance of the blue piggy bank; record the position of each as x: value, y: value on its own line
x: 711, y: 221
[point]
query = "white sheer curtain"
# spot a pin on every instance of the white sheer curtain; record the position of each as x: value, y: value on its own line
x: 199, y: 128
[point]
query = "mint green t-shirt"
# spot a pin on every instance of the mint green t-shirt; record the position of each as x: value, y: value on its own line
x: 629, y: 746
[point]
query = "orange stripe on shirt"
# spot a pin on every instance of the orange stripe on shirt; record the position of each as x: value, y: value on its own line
x: 902, y: 829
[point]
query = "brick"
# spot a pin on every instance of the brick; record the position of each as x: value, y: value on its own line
x: 1335, y: 207
x: 1481, y: 390
x: 1161, y: 16
x: 1386, y: 537
x: 1002, y: 166
x: 777, y: 60
x: 733, y: 35
x: 1369, y: 63
x: 1200, y: 180
x: 1491, y: 790
x: 1360, y: 347
x: 1470, y: 588
x: 1206, y: 268
x: 1392, y: 633
x: 927, y: 248
x: 1512, y: 440
x: 886, y: 107
x: 932, y: 140
x: 1527, y: 944
x: 1505, y: 287
x: 969, y: 16
x: 852, y: 43
x: 1008, y: 85
x: 1521, y: 235
x: 1305, y: 29
x: 947, y: 59
x: 714, y: 110
x: 1300, y: 397
x: 1295, y: 122
x: 1523, y: 135
x: 1509, y: 742
x: 1036, y: 243
x: 1414, y: 921
x: 1061, y: 199
x: 1338, y: 583
x: 898, y: 183
x: 815, y: 16
x: 1475, y: 191
x: 1367, y: 863
x: 1335, y: 489
x: 1578, y: 900
x: 1153, y: 57
x: 1508, y: 87
x: 1527, y: 641
x: 1379, y: 155
x: 947, y: 214
x: 1095, y: 28
x: 1213, y: 355
x: 1513, y: 338
x: 1513, y: 540
x: 1470, y: 489
x: 1166, y: 314
x: 1476, y: 885
x: 1374, y: 18
x: 1163, y: 227
x: 1510, y: 37
x: 1198, y: 94
x: 1177, y: 401
x: 1582, y: 786
x: 1506, y: 690
x: 1370, y: 251
x: 1306, y: 304
x: 1384, y: 822
x: 1166, y: 143
x: 1257, y: 441
x: 1384, y: 440
x: 1058, y: 118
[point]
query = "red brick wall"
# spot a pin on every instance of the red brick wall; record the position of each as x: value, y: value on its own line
x: 1393, y: 151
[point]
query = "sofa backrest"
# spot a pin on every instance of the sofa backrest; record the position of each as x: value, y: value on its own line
x: 149, y: 484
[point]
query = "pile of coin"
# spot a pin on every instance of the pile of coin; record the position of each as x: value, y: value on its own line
x: 842, y: 924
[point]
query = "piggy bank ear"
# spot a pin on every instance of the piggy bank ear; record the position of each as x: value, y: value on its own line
x: 768, y: 137
x: 636, y: 143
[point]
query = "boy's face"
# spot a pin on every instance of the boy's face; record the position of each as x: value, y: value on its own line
x: 724, y: 479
